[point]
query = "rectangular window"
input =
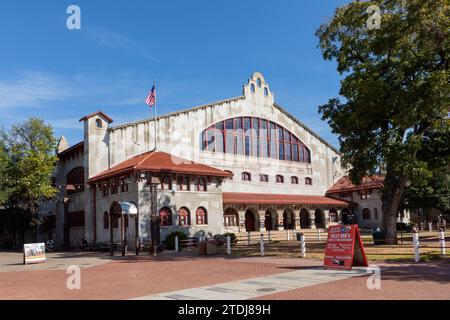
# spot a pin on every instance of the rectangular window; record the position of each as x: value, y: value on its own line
x: 247, y: 124
x: 229, y: 124
x: 376, y: 213
x: 238, y: 123
x: 281, y: 151
x: 273, y: 149
x: 263, y: 148
x: 255, y: 147
x: 230, y: 143
x: 105, y: 190
x: 219, y: 141
x: 263, y: 178
x: 124, y: 187
x: 239, y: 145
x: 247, y: 146
x: 295, y: 152
x: 115, y: 188
x: 183, y: 184
x: 288, y: 151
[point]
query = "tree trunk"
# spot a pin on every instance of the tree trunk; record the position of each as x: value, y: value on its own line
x: 391, y: 196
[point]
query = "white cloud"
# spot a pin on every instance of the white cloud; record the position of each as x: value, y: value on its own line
x: 113, y: 39
x: 32, y: 89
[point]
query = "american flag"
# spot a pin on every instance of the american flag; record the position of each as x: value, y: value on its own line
x: 151, y: 98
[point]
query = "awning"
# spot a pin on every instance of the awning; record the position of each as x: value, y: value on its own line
x: 281, y: 199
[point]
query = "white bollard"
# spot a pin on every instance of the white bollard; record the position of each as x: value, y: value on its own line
x: 288, y: 235
x: 318, y: 234
x: 248, y: 238
x: 228, y: 245
x: 442, y: 242
x: 303, y: 245
x: 416, y: 247
x: 176, y: 243
x: 261, y: 245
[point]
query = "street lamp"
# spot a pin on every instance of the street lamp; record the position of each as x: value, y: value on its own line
x: 155, y: 219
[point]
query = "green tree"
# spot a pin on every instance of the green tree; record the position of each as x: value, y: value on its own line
x: 394, y: 92
x: 434, y: 194
x: 28, y: 151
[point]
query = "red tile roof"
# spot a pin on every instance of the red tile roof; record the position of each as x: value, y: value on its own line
x: 158, y: 161
x: 281, y: 199
x: 344, y: 184
x: 99, y: 112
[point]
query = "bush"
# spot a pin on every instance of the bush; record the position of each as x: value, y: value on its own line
x: 169, y: 243
x: 220, y: 239
x: 232, y: 236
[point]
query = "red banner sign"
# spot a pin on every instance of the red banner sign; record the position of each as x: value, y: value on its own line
x: 344, y: 248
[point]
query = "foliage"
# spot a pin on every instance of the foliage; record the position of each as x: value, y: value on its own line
x: 169, y: 243
x: 233, y: 237
x: 28, y: 151
x: 435, y: 194
x: 395, y: 93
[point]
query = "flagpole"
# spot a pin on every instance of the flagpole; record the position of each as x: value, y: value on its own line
x: 154, y: 85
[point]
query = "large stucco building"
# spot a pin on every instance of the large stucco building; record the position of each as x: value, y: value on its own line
x: 237, y: 165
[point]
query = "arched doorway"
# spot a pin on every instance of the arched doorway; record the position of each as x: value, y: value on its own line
x: 333, y: 215
x: 250, y: 221
x: 269, y: 223
x: 345, y: 216
x: 230, y: 218
x: 288, y: 219
x: 319, y: 219
x: 305, y: 220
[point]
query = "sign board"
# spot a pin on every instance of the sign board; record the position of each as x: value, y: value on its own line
x: 33, y: 253
x: 344, y: 248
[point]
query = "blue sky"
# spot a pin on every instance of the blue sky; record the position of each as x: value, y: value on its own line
x: 199, y: 51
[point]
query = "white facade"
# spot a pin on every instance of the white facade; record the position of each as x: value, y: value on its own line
x: 179, y: 134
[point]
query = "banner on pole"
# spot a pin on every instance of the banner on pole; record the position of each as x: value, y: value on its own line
x: 344, y: 248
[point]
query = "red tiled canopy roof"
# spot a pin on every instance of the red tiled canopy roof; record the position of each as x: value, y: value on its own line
x: 344, y: 184
x: 158, y: 161
x: 282, y: 199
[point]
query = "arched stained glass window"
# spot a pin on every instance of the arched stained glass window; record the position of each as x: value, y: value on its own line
x: 254, y: 137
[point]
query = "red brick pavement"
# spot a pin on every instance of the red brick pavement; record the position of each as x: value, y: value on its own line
x: 133, y: 277
x: 423, y: 281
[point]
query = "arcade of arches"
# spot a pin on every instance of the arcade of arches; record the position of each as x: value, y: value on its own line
x: 250, y: 219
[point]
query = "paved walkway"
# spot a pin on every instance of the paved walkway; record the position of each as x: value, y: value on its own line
x: 261, y: 286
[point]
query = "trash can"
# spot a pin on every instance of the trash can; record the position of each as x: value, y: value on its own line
x: 202, y: 248
x: 379, y: 237
x: 299, y: 236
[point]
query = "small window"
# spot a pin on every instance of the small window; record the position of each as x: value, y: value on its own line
x: 266, y: 92
x: 106, y: 220
x: 166, y: 217
x: 124, y: 186
x: 184, y: 217
x: 201, y: 185
x: 183, y: 183
x: 280, y: 179
x: 99, y: 123
x: 294, y: 180
x: 105, y: 190
x: 308, y: 181
x: 263, y: 178
x: 252, y: 87
x: 201, y: 216
x: 366, y: 214
x: 115, y: 188
x: 365, y: 195
x: 258, y: 81
x: 166, y: 183
x: 246, y: 176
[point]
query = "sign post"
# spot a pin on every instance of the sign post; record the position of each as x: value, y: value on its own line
x: 33, y: 253
x: 344, y: 248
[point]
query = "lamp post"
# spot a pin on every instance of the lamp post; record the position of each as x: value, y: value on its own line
x: 155, y: 219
